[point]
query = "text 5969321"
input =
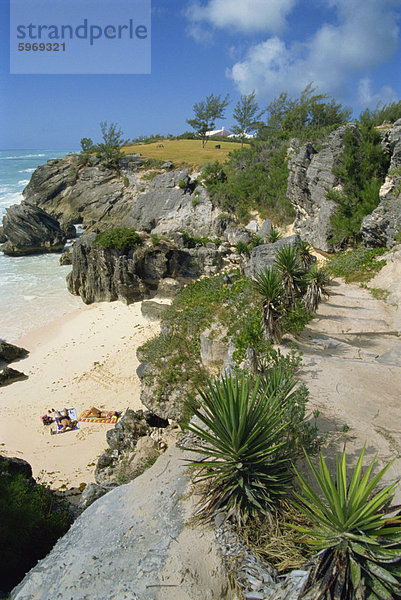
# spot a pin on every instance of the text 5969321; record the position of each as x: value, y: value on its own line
x: 41, y: 47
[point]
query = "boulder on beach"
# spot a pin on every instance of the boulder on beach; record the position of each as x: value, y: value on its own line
x: 30, y: 230
x: 9, y: 375
x: 9, y: 352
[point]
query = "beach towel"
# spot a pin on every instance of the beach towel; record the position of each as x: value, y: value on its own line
x: 72, y: 413
x: 109, y: 419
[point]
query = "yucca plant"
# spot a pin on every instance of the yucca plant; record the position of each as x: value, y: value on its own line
x: 268, y: 284
x: 274, y: 235
x: 356, y: 530
x: 288, y: 264
x: 241, y: 437
x: 317, y: 281
x: 305, y: 256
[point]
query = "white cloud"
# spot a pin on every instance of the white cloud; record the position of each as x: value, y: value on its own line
x: 365, y: 36
x: 241, y: 15
x: 367, y: 97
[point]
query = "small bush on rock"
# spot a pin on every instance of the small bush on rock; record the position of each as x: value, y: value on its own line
x: 120, y: 238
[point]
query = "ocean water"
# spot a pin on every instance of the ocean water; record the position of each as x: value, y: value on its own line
x: 33, y: 291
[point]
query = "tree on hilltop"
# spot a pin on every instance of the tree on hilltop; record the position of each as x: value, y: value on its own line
x: 206, y: 112
x: 109, y: 149
x: 247, y: 115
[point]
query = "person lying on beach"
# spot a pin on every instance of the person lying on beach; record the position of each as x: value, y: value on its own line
x: 102, y: 414
x: 65, y: 420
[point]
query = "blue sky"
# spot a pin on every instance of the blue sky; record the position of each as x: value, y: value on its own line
x: 350, y: 49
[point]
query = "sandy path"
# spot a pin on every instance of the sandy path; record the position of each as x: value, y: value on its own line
x: 87, y: 358
x: 352, y: 367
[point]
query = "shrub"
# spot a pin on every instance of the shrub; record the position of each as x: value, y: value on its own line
x: 155, y: 239
x: 356, y: 265
x: 246, y: 462
x: 120, y: 238
x: 30, y: 525
x: 125, y: 181
x: 353, y: 526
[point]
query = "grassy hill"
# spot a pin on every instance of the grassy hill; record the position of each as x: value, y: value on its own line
x: 184, y: 153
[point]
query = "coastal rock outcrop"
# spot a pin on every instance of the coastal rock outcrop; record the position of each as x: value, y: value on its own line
x: 384, y: 223
x: 9, y: 352
x: 310, y: 178
x: 9, y: 375
x: 100, y: 274
x: 30, y: 230
x: 89, y: 193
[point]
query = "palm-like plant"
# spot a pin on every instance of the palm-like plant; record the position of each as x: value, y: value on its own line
x: 360, y: 541
x: 288, y: 264
x: 245, y: 462
x: 274, y: 235
x: 305, y: 256
x: 317, y: 281
x: 268, y: 284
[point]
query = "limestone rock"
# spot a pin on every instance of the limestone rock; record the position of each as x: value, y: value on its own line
x: 252, y: 227
x: 3, y: 237
x: 168, y: 287
x: 265, y: 229
x: 15, y: 466
x: 30, y: 230
x: 152, y: 310
x: 93, y: 492
x: 9, y: 352
x: 213, y: 347
x: 310, y: 178
x: 66, y: 257
x: 9, y: 375
x: 384, y: 223
x: 100, y: 274
x: 264, y: 255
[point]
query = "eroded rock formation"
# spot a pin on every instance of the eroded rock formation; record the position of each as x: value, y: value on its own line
x: 310, y: 178
x: 30, y: 230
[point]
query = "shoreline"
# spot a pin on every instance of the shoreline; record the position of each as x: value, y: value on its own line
x: 85, y: 358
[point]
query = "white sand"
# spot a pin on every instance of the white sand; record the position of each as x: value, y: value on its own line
x: 87, y: 358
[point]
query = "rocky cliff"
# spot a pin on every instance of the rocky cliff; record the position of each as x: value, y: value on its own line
x: 100, y: 274
x: 99, y: 197
x: 310, y: 178
x: 30, y: 230
x: 379, y: 228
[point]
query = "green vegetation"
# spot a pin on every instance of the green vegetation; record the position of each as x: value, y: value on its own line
x: 242, y: 438
x: 125, y: 181
x: 389, y: 113
x: 205, y: 114
x: 309, y: 117
x: 356, y: 265
x: 30, y: 525
x: 253, y: 179
x: 362, y: 170
x: 247, y: 115
x: 120, y: 238
x: 356, y: 530
x: 109, y: 149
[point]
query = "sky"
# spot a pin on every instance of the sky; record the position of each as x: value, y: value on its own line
x: 348, y: 49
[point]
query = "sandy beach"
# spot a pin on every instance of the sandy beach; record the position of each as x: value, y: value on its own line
x: 86, y: 358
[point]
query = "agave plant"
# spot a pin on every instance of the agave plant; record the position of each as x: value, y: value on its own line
x: 305, y: 256
x: 317, y: 281
x: 288, y: 264
x: 268, y: 284
x: 274, y: 235
x: 356, y: 530
x: 241, y: 434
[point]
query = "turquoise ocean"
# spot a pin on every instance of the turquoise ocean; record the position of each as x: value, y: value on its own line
x: 33, y: 290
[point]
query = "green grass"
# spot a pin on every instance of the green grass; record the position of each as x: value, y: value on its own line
x: 183, y: 153
x: 357, y: 265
